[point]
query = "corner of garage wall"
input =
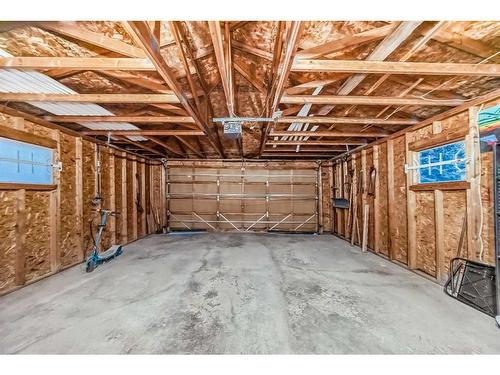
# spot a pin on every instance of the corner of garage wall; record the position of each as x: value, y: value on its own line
x: 44, y: 231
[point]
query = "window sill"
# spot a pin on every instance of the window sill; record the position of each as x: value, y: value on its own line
x: 458, y: 185
x: 38, y: 187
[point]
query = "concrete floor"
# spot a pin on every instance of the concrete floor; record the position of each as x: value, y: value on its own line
x: 241, y: 293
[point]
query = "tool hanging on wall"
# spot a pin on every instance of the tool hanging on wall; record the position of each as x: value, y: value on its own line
x: 356, y: 188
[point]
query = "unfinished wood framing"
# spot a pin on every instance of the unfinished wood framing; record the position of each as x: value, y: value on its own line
x: 50, y: 225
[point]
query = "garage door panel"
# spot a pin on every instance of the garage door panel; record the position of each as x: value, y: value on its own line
x: 239, y: 196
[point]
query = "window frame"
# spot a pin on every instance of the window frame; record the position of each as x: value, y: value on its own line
x: 33, y: 139
x: 436, y: 140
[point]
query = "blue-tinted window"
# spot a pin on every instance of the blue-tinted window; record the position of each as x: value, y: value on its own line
x: 449, y: 170
x: 25, y: 163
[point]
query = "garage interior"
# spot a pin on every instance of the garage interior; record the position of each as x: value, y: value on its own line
x: 280, y: 187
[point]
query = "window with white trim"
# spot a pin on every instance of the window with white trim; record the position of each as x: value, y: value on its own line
x: 444, y: 163
x: 25, y: 163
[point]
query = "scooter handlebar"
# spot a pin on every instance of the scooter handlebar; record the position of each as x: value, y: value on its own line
x: 110, y: 212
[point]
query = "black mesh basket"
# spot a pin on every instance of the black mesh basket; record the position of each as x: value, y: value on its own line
x: 472, y: 283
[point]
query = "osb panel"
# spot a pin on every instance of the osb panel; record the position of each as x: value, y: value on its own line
x: 38, y: 130
x: 141, y: 210
x: 8, y: 215
x: 32, y: 41
x: 487, y: 199
x: 454, y: 211
x: 37, y: 243
x: 326, y: 199
x: 370, y: 201
x: 399, y: 232
x: 118, y: 196
x: 70, y: 231
x: 426, y: 232
x: 382, y: 200
x: 105, y: 193
x: 131, y: 199
x: 89, y: 191
x: 455, y: 122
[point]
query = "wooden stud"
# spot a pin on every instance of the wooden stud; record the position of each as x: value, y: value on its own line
x: 134, y: 234
x: 20, y: 273
x: 123, y: 203
x: 79, y: 195
x: 473, y: 173
x: 439, y: 228
x: 390, y: 195
x: 143, y: 197
x: 411, y: 209
x: 55, y: 211
x: 377, y: 212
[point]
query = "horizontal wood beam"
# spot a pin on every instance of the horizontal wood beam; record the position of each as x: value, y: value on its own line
x: 302, y: 149
x: 295, y: 154
x: 136, y: 119
x: 396, y: 67
x: 77, y: 63
x: 345, y: 120
x: 368, y: 100
x: 176, y: 133
x: 315, y: 143
x: 90, y: 98
x: 326, y: 134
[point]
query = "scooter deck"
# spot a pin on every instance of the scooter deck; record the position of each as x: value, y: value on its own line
x: 113, y: 251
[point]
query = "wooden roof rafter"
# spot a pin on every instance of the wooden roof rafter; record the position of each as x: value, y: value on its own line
x: 277, y: 87
x: 143, y: 36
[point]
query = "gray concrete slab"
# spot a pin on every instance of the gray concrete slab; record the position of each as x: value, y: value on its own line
x: 241, y: 293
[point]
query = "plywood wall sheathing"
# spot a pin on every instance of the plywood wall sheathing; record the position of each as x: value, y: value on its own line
x: 44, y: 232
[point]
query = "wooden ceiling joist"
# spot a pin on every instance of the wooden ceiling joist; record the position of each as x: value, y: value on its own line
x: 176, y: 133
x: 315, y: 143
x: 368, y: 100
x: 306, y: 150
x: 345, y: 120
x: 338, y: 134
x: 90, y: 98
x: 77, y: 63
x: 136, y: 119
x: 396, y: 67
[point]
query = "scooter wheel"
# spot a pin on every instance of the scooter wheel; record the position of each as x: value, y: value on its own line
x: 90, y: 266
